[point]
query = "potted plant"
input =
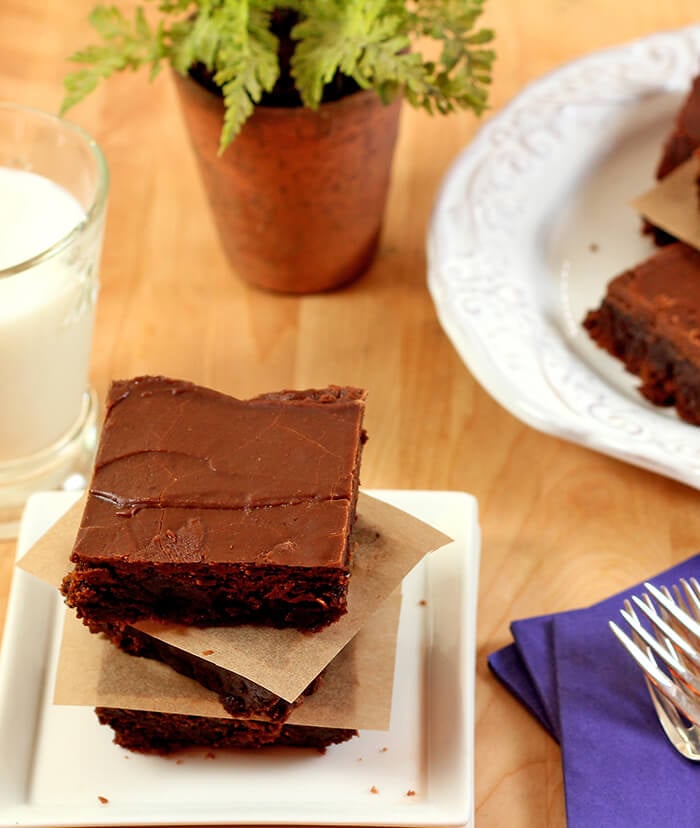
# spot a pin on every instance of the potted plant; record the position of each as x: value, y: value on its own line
x: 309, y: 92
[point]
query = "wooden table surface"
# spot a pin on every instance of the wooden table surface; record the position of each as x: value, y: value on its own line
x: 562, y: 526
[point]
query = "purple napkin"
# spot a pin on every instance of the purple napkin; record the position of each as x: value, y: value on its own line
x: 574, y: 677
x: 508, y: 665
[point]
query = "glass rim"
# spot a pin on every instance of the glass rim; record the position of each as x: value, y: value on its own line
x: 98, y: 200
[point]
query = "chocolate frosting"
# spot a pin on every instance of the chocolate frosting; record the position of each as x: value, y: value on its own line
x: 305, y: 534
x: 171, y: 443
x: 187, y: 474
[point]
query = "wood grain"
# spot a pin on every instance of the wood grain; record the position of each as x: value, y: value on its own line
x: 562, y: 526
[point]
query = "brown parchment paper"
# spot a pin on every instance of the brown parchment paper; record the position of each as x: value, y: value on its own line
x: 389, y: 543
x: 673, y: 203
x: 355, y: 691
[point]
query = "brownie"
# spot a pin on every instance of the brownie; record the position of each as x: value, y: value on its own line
x: 650, y: 319
x: 209, y: 510
x: 165, y: 733
x: 239, y: 696
x: 680, y: 145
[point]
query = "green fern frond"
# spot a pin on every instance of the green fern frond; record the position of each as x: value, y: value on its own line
x: 125, y: 45
x: 374, y: 42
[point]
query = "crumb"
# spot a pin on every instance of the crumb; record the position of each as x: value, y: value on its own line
x: 126, y: 756
x: 209, y: 755
x: 593, y: 247
x: 359, y: 759
x: 383, y: 750
x: 103, y: 800
x: 374, y: 789
x: 207, y: 652
x: 179, y: 761
x: 410, y: 792
x: 422, y: 603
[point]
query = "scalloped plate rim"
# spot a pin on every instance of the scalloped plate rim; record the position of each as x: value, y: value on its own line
x: 552, y: 418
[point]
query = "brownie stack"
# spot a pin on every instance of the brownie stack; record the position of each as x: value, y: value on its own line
x: 212, y: 511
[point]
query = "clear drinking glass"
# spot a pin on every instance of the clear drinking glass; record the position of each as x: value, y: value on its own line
x: 53, y: 193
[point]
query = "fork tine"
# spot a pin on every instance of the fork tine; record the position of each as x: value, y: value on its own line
x: 666, y: 654
x: 668, y: 604
x: 687, y: 705
x: 691, y: 590
x: 690, y: 653
x: 644, y: 660
x: 667, y: 617
x: 659, y: 644
x: 664, y: 645
x: 681, y: 599
x: 666, y: 629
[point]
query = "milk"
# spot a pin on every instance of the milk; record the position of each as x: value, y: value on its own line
x: 46, y: 314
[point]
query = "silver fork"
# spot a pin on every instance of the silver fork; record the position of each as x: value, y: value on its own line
x: 675, y: 692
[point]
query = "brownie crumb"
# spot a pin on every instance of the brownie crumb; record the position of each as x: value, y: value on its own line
x: 207, y: 652
x: 179, y: 761
x: 422, y: 603
x: 374, y: 789
x: 103, y: 800
x: 410, y: 792
x: 593, y: 247
x: 383, y: 750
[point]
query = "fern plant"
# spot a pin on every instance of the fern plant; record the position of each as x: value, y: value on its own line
x: 252, y: 50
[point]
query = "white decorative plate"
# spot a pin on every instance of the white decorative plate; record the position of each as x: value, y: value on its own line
x: 531, y: 223
x: 55, y: 762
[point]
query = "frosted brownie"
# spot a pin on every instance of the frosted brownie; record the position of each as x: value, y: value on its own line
x: 650, y: 319
x: 680, y: 145
x: 238, y: 695
x: 206, y: 509
x: 166, y: 733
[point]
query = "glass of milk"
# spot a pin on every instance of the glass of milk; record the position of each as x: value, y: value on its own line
x: 53, y: 193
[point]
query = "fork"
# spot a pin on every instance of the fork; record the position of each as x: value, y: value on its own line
x: 675, y: 693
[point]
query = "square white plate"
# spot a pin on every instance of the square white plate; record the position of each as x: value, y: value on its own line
x: 55, y: 762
